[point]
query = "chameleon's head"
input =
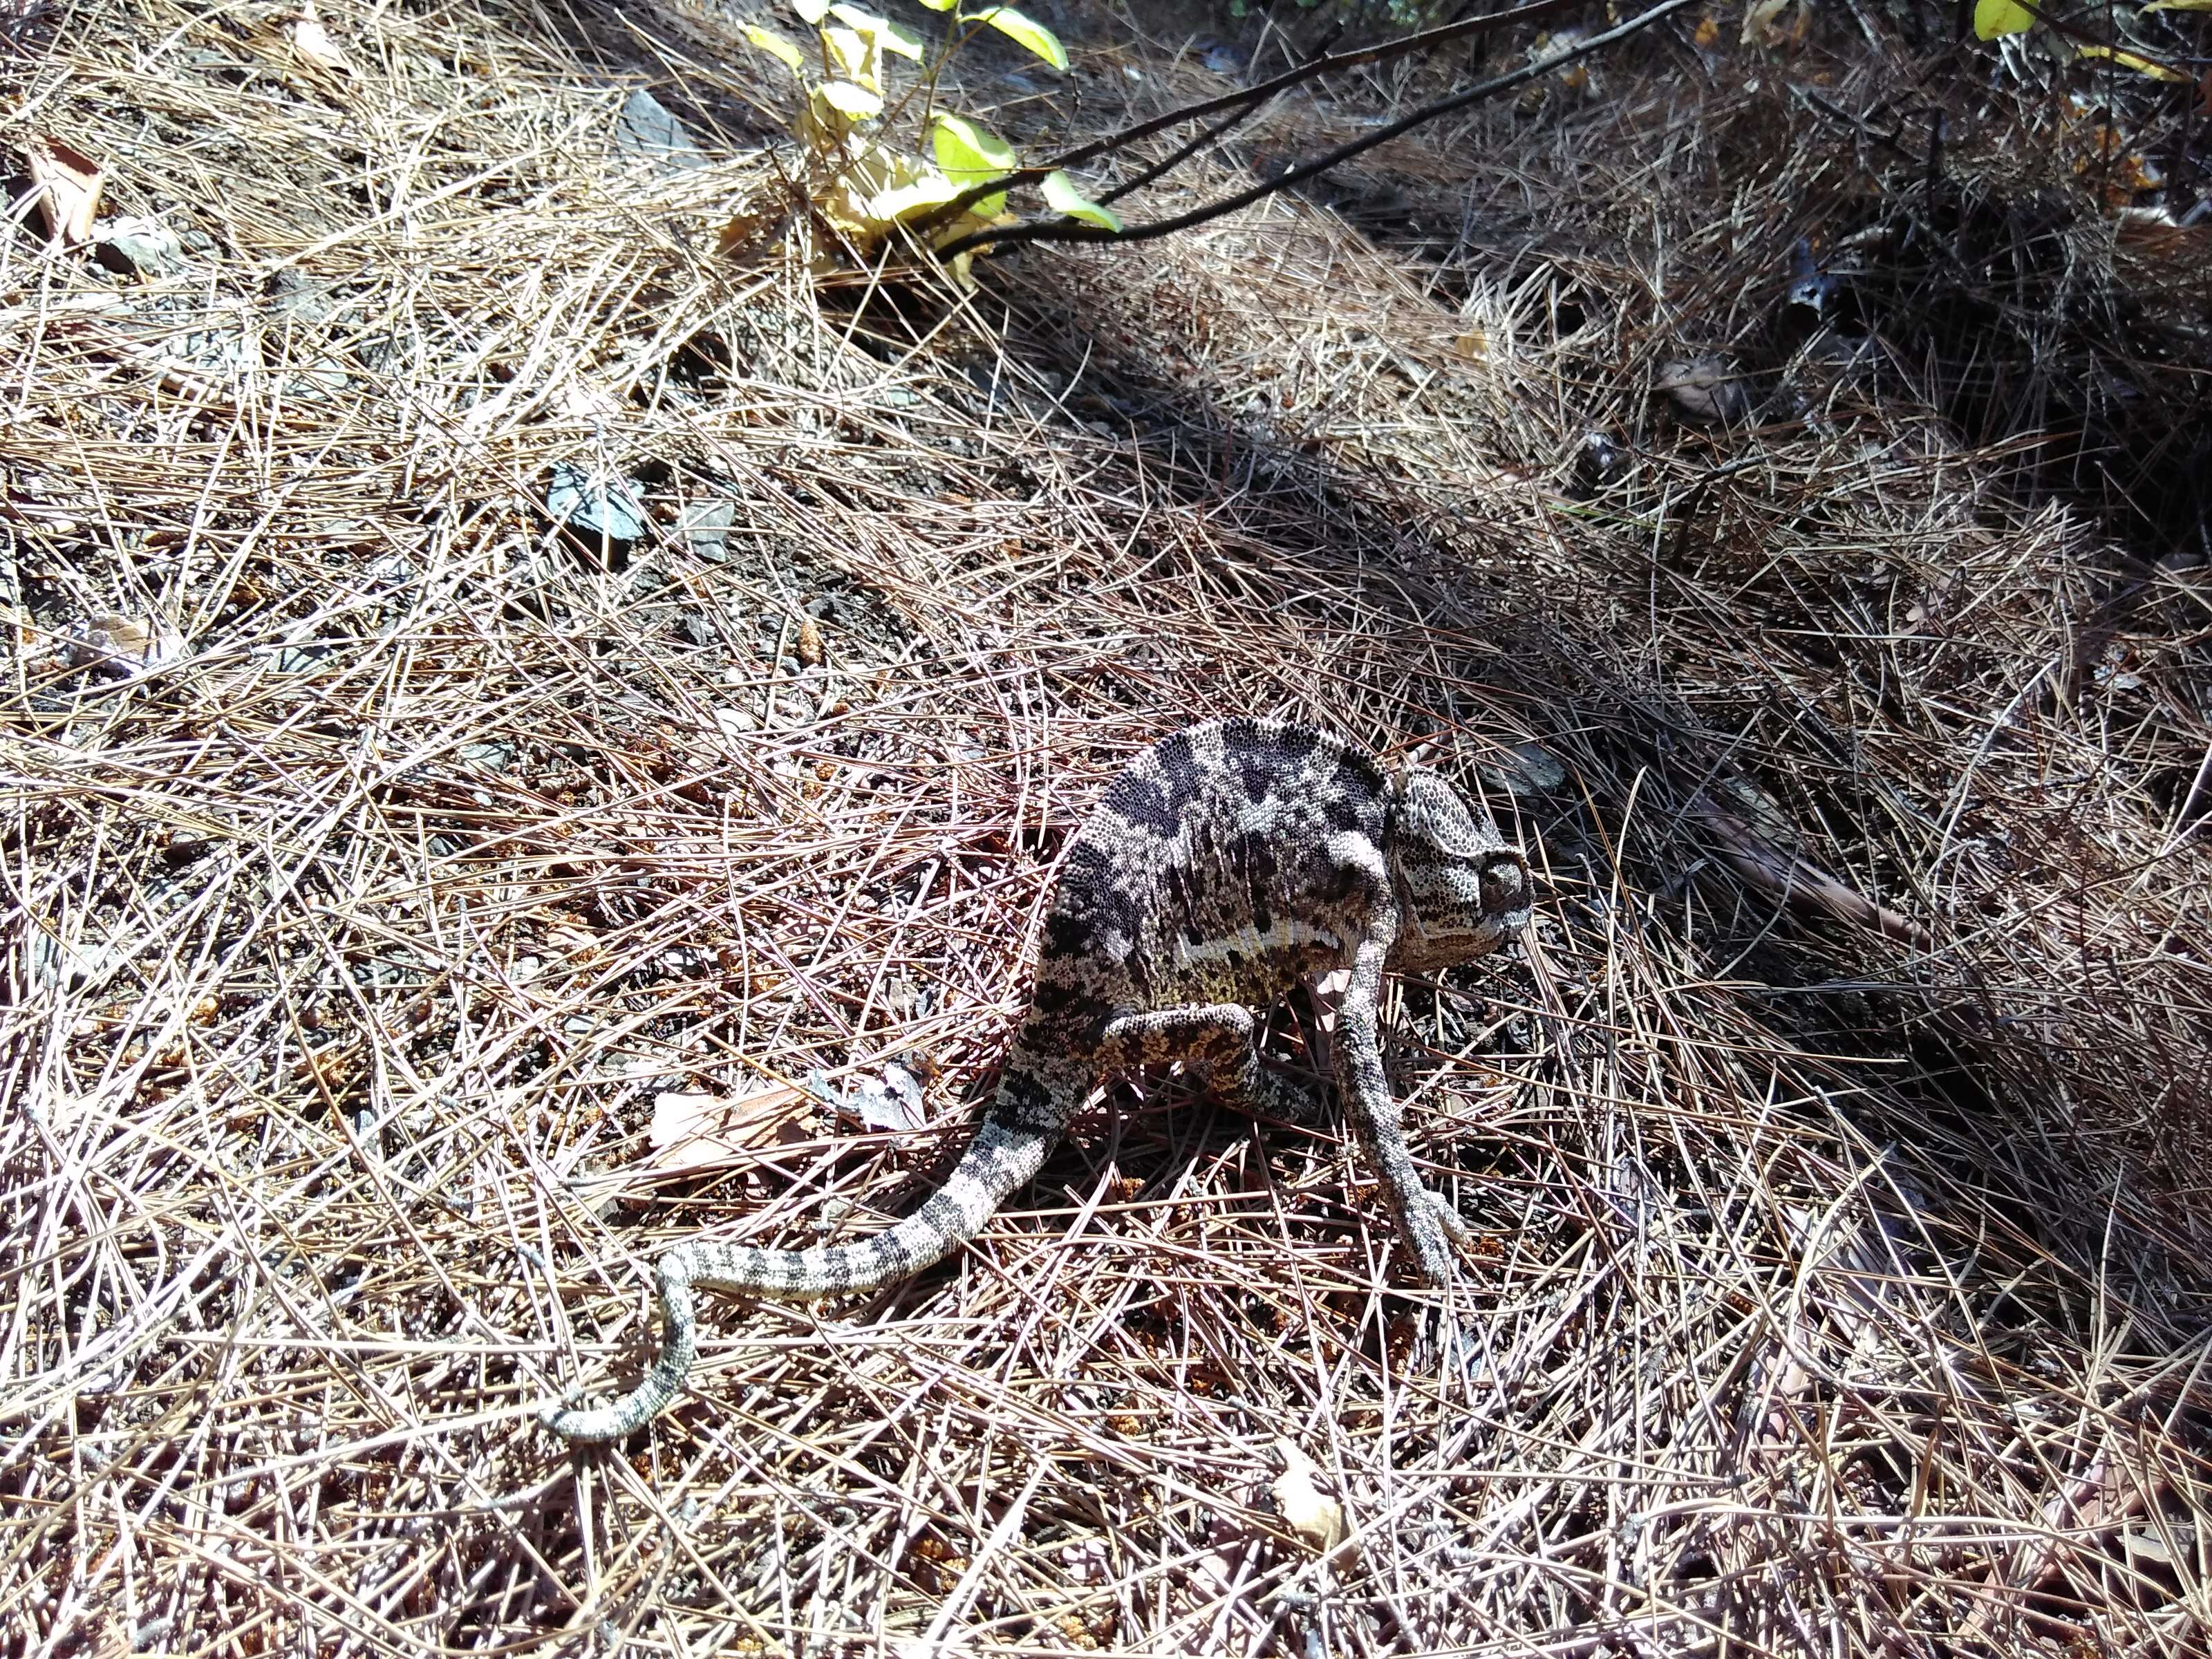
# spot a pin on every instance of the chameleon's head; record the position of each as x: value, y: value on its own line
x: 1462, y: 890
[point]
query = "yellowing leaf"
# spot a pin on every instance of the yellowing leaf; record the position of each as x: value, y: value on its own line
x: 2134, y: 60
x: 1026, y: 30
x: 853, y: 103
x: 853, y: 55
x: 777, y: 46
x: 1061, y: 196
x: 877, y: 187
x: 938, y: 5
x: 1996, y: 17
x: 927, y: 192
x: 970, y: 153
x: 811, y: 11
x: 888, y: 35
x: 2155, y: 5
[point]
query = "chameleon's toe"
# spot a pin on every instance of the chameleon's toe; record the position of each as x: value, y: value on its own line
x: 1455, y: 1227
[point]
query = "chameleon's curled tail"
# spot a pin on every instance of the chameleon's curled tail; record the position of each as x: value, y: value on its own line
x: 1024, y: 1120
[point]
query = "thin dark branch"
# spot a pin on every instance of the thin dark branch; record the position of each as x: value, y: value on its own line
x: 1061, y: 231
x: 1220, y: 129
x: 1246, y: 99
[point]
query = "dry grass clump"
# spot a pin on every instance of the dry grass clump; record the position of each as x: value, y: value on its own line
x: 1834, y: 1151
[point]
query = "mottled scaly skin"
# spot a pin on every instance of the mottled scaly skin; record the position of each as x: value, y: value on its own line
x: 1226, y: 864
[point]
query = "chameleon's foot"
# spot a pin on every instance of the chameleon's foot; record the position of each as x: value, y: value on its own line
x: 1455, y: 1227
x: 1267, y: 1094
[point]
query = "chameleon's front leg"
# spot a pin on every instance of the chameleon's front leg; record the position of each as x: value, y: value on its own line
x: 1422, y: 1216
x: 1219, y: 1040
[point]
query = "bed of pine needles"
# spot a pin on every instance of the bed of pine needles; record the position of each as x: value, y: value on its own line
x: 466, y: 908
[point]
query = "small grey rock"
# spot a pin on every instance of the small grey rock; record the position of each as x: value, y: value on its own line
x: 598, y: 512
x: 139, y: 247
x: 646, y: 128
x: 705, y: 526
x: 1526, y: 768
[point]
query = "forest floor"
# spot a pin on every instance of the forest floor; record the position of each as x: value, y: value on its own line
x: 418, y: 913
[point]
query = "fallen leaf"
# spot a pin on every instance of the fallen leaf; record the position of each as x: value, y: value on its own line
x: 68, y: 183
x: 1318, y: 1520
x: 313, y: 45
x: 120, y: 648
x: 691, y: 1131
x: 891, y: 1100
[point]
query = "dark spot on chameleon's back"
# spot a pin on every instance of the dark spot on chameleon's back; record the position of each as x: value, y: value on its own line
x: 1142, y: 800
x: 1181, y: 779
x: 1354, y: 795
x: 1330, y: 880
x: 1087, y: 869
x: 1297, y: 743
x: 1067, y: 935
x: 1252, y: 868
x: 1114, y: 911
x: 1256, y: 758
x: 1253, y: 858
x: 1185, y: 894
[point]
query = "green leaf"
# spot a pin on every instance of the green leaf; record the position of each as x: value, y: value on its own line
x: 777, y: 46
x: 853, y: 103
x: 970, y: 153
x: 811, y: 11
x: 2155, y: 5
x: 888, y: 35
x: 2134, y: 60
x: 1061, y: 196
x: 1032, y: 33
x: 938, y: 5
x: 1996, y: 17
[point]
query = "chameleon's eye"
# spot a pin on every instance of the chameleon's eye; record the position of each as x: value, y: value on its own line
x: 1504, y: 884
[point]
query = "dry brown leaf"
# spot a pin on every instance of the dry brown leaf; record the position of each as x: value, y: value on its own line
x: 691, y: 1131
x: 67, y: 182
x: 313, y: 45
x: 1318, y: 1520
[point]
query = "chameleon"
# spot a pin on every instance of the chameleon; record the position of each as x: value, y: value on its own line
x: 1227, y: 864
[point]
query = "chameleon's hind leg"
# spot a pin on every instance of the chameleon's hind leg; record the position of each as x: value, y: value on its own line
x: 1218, y: 1042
